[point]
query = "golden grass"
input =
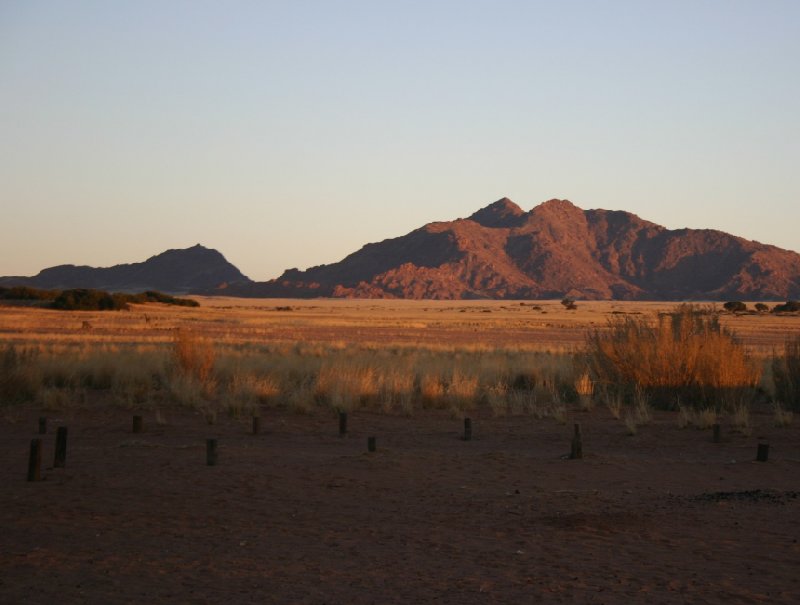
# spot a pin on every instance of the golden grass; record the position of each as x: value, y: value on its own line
x: 235, y: 355
x: 686, y: 353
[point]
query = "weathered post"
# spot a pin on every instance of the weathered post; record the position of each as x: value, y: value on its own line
x: 371, y: 444
x: 42, y: 425
x: 763, y: 452
x: 137, y: 424
x: 577, y: 444
x: 61, y: 448
x: 256, y: 425
x: 717, y: 433
x: 35, y: 460
x: 211, y: 452
x: 467, y: 429
x: 342, y: 424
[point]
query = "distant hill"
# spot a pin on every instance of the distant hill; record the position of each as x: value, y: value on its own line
x: 174, y: 271
x: 501, y: 251
x: 554, y: 250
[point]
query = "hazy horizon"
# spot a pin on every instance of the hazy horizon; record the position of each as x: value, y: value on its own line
x: 290, y: 135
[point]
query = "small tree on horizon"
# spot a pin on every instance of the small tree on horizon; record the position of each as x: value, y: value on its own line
x: 735, y: 306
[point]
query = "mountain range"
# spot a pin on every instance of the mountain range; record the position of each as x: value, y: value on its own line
x: 500, y: 252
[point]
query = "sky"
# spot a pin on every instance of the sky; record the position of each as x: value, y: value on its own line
x: 291, y: 133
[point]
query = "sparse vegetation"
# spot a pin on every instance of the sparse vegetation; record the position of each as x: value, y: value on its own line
x: 686, y: 354
x: 222, y: 361
x: 786, y: 374
x: 584, y: 387
x: 791, y: 306
x: 569, y: 304
x: 782, y: 418
x: 85, y: 299
x: 735, y: 306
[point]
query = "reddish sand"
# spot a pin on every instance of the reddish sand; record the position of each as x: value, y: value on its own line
x: 299, y: 515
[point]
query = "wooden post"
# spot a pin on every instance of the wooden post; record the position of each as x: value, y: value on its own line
x: 256, y: 425
x: 577, y: 444
x: 61, y: 448
x: 211, y: 452
x: 342, y: 423
x: 137, y: 424
x: 371, y: 444
x: 717, y: 434
x: 467, y: 429
x: 42, y: 425
x: 35, y: 460
x: 763, y: 452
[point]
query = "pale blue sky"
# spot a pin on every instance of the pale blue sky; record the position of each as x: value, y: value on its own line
x: 288, y: 134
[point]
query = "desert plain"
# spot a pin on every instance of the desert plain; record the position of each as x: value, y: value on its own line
x: 655, y: 511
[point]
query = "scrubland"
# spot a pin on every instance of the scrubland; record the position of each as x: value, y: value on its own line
x: 234, y: 356
x: 656, y: 510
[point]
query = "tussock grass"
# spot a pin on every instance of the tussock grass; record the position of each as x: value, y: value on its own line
x: 786, y: 374
x: 190, y: 370
x: 584, y: 387
x: 686, y: 354
x: 701, y: 419
x: 219, y: 363
x: 782, y: 418
x: 740, y: 419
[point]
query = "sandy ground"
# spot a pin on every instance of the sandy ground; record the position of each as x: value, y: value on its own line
x: 298, y: 514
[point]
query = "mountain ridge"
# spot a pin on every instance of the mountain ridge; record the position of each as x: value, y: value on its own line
x: 175, y: 271
x: 555, y: 249
x: 501, y: 251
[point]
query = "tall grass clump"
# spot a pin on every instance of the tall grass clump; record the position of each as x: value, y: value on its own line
x: 19, y: 378
x: 193, y: 378
x: 685, y: 355
x: 786, y: 375
x: 584, y: 387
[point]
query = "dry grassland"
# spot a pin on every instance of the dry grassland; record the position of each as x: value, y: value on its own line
x: 654, y: 511
x: 531, y: 326
x: 234, y: 355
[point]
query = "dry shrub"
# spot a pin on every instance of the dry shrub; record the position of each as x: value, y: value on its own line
x: 558, y: 412
x: 462, y: 391
x: 584, y: 387
x: 684, y: 416
x: 786, y: 375
x: 344, y: 386
x: 699, y: 418
x: 782, y: 418
x: 740, y: 419
x: 614, y: 404
x: 431, y: 390
x: 398, y: 390
x: 686, y: 354
x: 496, y: 397
x: 638, y: 414
x: 20, y: 379
x: 194, y: 361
